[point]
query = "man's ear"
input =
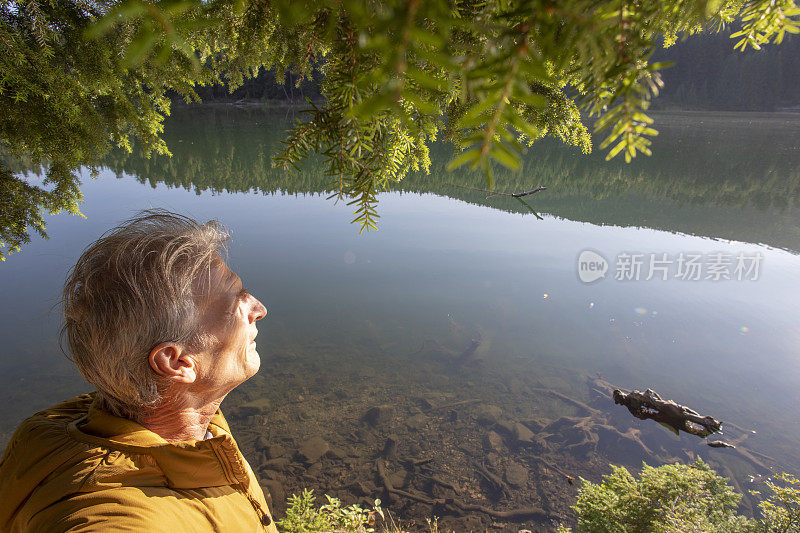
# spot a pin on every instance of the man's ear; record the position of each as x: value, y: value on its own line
x: 171, y: 361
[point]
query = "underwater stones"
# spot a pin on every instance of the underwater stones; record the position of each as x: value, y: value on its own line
x: 274, y: 491
x: 262, y: 442
x: 522, y: 434
x: 516, y: 474
x: 390, y: 447
x: 626, y: 446
x: 488, y: 415
x: 311, y: 450
x: 363, y: 488
x: 273, y: 451
x: 532, y: 424
x: 270, y: 474
x: 279, y: 463
x: 425, y: 403
x: 258, y: 406
x: 379, y: 415
x: 417, y: 421
x: 341, y: 394
x: 565, y: 422
x: 493, y: 460
x: 399, y: 479
x: 506, y: 425
x: 336, y: 453
x: 493, y: 441
x: 314, y: 470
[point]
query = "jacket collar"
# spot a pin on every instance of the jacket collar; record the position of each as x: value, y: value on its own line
x: 190, y: 464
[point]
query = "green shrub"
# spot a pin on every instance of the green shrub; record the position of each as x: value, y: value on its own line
x: 681, y: 498
x: 669, y: 498
x: 303, y: 516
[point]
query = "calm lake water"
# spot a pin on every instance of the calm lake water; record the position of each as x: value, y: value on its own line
x: 393, y: 317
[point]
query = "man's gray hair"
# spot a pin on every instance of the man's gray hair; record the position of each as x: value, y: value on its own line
x: 134, y: 288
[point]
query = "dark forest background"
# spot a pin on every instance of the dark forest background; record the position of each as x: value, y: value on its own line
x: 708, y: 74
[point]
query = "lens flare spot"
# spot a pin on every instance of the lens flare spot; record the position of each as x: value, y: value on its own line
x: 545, y: 296
x: 744, y: 330
x: 640, y: 311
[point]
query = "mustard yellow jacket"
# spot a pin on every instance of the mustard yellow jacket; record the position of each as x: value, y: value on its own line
x: 74, y: 467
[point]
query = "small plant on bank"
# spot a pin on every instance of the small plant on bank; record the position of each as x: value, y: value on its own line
x: 303, y: 516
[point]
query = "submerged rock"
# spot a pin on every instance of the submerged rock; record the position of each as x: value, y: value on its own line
x: 274, y: 491
x: 522, y: 434
x: 363, y: 488
x: 313, y: 449
x: 416, y: 421
x: 493, y: 441
x: 516, y: 474
x: 314, y: 470
x: 390, y: 447
x: 533, y: 424
x: 488, y: 415
x: 506, y: 425
x: 379, y: 415
x: 273, y: 451
x: 258, y: 406
x: 399, y: 479
x: 336, y: 453
x: 279, y: 463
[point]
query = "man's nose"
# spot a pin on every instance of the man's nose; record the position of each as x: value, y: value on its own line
x: 257, y: 310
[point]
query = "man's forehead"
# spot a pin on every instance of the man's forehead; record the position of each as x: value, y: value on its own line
x: 217, y: 282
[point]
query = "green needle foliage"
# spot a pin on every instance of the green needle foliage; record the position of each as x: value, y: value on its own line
x: 491, y: 76
x: 681, y: 498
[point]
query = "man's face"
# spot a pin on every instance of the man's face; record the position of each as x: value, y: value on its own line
x: 228, y: 323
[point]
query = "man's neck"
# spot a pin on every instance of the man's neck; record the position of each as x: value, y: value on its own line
x: 176, y: 421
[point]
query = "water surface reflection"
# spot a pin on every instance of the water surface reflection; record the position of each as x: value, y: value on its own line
x: 466, y: 315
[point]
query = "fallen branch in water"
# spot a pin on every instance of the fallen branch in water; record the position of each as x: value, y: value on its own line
x: 497, y: 193
x: 573, y: 401
x: 649, y: 405
x: 528, y: 193
x: 445, y: 484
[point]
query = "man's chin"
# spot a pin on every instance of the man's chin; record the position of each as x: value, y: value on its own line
x: 253, y: 364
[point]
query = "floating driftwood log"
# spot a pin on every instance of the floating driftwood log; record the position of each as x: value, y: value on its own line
x: 649, y: 405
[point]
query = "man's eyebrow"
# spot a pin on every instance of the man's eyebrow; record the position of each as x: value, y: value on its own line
x: 241, y: 294
x: 238, y: 298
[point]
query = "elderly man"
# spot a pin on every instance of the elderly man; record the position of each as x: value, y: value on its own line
x: 159, y: 324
